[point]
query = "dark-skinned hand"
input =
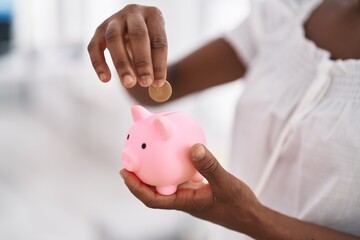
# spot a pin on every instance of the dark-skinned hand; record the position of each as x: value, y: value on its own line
x: 136, y: 39
x: 225, y: 200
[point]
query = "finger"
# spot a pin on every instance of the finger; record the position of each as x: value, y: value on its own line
x: 136, y: 187
x: 207, y: 165
x: 140, y: 49
x: 96, y: 48
x: 159, y: 46
x: 116, y: 46
x: 187, y: 200
x: 191, y: 185
x: 145, y: 193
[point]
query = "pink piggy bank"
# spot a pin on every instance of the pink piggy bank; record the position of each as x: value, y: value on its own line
x: 157, y: 148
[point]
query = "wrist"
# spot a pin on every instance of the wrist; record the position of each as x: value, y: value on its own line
x: 264, y: 223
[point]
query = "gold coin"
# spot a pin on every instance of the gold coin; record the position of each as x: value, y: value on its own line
x: 160, y: 94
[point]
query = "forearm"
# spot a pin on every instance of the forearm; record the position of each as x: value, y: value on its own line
x: 274, y: 225
x: 213, y: 64
x: 229, y: 202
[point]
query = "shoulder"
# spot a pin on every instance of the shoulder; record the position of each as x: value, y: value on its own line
x: 276, y: 18
x: 269, y: 18
x: 269, y: 24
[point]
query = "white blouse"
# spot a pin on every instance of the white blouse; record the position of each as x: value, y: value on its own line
x: 296, y: 136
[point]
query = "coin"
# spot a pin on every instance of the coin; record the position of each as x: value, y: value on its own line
x: 160, y: 94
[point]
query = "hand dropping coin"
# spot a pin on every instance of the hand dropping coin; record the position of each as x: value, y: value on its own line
x: 160, y: 94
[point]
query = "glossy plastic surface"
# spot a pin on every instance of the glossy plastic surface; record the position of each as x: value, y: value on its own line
x: 157, y: 148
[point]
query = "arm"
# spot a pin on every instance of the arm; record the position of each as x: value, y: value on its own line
x: 213, y: 64
x: 227, y: 201
x: 280, y: 226
x: 136, y: 39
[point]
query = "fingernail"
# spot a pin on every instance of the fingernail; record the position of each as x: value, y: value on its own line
x: 158, y: 83
x: 102, y: 77
x: 145, y: 81
x: 199, y: 153
x: 128, y: 80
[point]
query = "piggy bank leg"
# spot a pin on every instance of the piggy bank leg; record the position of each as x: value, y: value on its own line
x: 166, y: 190
x: 197, y: 177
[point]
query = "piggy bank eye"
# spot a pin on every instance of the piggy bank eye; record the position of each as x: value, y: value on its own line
x: 128, y: 136
x: 143, y: 146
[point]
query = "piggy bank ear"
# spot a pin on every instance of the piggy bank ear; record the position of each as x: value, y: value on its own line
x: 164, y: 126
x: 138, y: 112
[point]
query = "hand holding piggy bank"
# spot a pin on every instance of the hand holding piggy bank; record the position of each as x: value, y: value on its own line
x: 157, y: 148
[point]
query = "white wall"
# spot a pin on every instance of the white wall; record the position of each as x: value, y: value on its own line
x: 46, y: 24
x: 55, y: 33
x: 60, y: 141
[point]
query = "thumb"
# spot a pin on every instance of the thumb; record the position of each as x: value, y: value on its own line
x: 207, y: 164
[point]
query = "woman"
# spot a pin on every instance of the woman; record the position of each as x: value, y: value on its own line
x: 297, y: 127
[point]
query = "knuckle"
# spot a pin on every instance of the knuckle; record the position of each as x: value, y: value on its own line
x: 193, y: 204
x: 211, y: 165
x: 137, y: 32
x: 121, y: 64
x: 155, y: 11
x: 197, y: 205
x: 180, y: 203
x: 159, y: 73
x: 158, y: 42
x: 156, y: 15
x: 111, y: 33
x: 132, y: 7
x: 142, y: 64
x: 150, y: 203
x: 91, y: 46
x: 95, y: 63
x: 101, y: 27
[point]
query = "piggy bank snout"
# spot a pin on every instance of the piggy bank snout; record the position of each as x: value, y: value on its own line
x: 129, y: 160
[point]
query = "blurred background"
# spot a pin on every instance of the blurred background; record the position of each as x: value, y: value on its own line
x: 62, y: 130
